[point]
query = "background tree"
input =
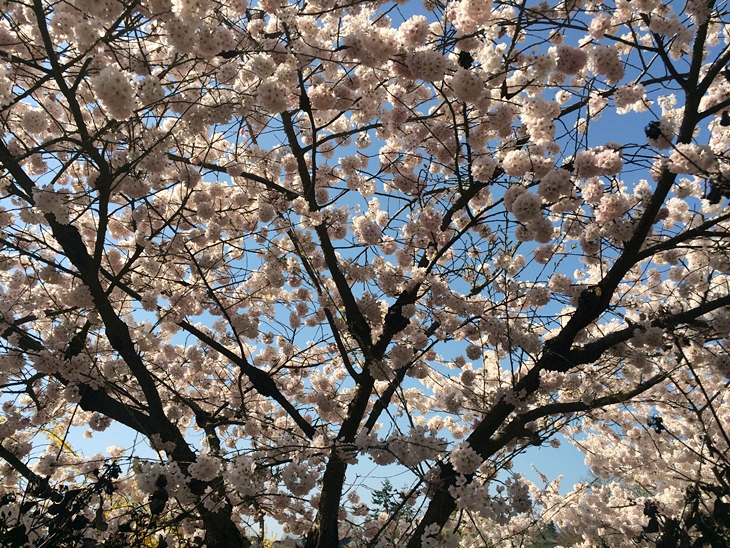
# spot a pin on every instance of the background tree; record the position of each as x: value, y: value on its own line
x: 275, y: 239
x: 391, y: 511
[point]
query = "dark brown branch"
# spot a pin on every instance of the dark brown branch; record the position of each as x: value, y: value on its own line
x: 261, y: 381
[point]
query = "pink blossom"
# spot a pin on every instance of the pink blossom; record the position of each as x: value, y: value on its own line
x: 570, y: 60
x: 555, y: 185
x: 526, y: 207
x: 693, y: 159
x: 366, y: 230
x: 414, y: 31
x: 511, y: 195
x: 516, y: 163
x: 428, y: 65
x: 115, y: 92
x: 605, y: 61
x: 467, y: 85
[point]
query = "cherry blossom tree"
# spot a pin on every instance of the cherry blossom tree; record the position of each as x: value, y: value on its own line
x: 273, y: 240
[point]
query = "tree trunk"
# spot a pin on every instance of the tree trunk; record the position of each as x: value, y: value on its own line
x: 325, y: 532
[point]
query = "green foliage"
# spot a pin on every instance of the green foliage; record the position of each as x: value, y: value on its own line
x: 391, y: 501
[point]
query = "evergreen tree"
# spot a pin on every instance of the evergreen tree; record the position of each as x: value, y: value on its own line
x: 389, y: 500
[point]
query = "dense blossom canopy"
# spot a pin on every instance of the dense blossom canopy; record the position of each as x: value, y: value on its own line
x: 273, y: 240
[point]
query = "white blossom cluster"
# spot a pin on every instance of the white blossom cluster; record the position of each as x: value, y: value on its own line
x: 113, y: 89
